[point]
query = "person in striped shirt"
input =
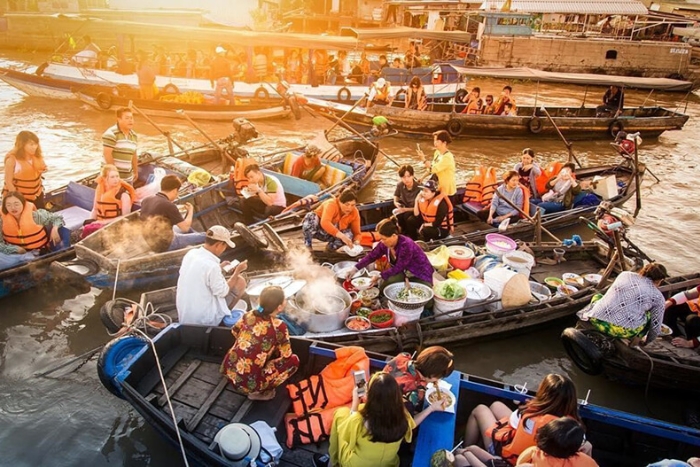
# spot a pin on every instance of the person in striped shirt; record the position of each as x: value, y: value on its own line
x: 119, y: 144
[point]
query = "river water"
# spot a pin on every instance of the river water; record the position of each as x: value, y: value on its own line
x: 70, y: 419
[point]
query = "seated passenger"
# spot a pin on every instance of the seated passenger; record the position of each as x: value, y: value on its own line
x: 505, y: 98
x: 309, y: 166
x: 336, y: 221
x: 529, y: 170
x: 370, y: 434
x: 633, y: 307
x: 164, y: 228
x: 500, y: 210
x: 379, y: 93
x: 432, y: 364
x: 508, y: 433
x: 433, y: 216
x: 268, y: 195
x: 473, y: 102
x: 204, y: 295
x: 559, y: 442
x: 489, y: 107
x: 113, y: 199
x: 684, y: 306
x: 405, y: 199
x: 560, y: 191
x: 26, y: 228
x: 416, y: 98
x: 406, y: 259
x: 613, y: 103
x: 24, y: 169
x: 509, y: 110
x: 261, y: 358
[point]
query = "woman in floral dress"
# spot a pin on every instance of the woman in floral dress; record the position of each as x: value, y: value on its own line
x: 261, y: 358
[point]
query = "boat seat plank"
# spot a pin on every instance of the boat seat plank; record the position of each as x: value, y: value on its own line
x: 272, y: 411
x: 168, y: 362
x: 438, y: 429
x: 204, y: 408
x: 172, y: 389
x: 209, y: 427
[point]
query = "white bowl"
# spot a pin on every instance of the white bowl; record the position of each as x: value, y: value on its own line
x: 361, y: 283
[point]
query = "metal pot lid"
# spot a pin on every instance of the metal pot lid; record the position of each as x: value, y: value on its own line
x: 293, y: 287
x: 332, y: 308
x: 257, y: 288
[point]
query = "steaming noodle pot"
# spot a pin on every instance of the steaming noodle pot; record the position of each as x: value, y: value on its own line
x: 322, y: 309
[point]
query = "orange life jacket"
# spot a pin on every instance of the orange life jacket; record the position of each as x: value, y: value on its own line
x: 518, y: 440
x: 313, y: 427
x: 26, y: 233
x: 694, y: 305
x: 109, y: 205
x: 368, y: 238
x: 28, y: 180
x: 238, y: 177
x: 490, y: 184
x: 428, y: 210
x: 474, y: 186
x: 552, y: 169
x: 383, y: 93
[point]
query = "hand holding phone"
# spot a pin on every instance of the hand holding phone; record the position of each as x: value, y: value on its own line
x: 420, y: 150
x: 228, y: 268
x: 360, y: 382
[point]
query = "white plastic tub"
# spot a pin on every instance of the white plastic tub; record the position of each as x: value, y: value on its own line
x: 519, y: 261
x: 442, y: 306
x: 403, y: 315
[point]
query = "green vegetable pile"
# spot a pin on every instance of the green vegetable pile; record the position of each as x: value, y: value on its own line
x: 380, y: 317
x: 449, y: 290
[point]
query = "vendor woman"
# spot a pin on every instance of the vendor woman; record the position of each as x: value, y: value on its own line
x: 406, y: 259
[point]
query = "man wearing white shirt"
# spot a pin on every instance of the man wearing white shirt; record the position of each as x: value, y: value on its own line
x: 204, y: 295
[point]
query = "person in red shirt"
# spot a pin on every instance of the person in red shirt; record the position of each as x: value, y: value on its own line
x: 309, y: 166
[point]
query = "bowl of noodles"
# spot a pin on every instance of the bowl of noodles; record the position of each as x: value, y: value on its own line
x: 432, y: 395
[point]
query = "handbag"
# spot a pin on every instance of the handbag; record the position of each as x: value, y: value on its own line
x: 270, y: 450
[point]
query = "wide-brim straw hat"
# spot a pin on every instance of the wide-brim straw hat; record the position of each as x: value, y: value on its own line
x: 239, y: 444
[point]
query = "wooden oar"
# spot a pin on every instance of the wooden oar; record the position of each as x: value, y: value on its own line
x: 360, y: 100
x: 165, y: 133
x: 224, y: 155
x: 567, y: 143
x: 522, y: 213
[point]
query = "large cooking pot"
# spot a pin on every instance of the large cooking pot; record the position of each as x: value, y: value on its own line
x: 322, y: 313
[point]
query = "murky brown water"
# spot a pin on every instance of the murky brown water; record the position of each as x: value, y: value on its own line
x: 73, y: 420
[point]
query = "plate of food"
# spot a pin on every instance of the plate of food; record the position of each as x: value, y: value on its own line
x: 593, y: 279
x: 665, y: 331
x: 571, y: 278
x: 357, y: 323
x: 371, y: 293
x: 361, y: 283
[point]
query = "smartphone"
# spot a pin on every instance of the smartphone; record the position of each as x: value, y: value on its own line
x: 231, y: 266
x: 418, y: 148
x: 360, y: 382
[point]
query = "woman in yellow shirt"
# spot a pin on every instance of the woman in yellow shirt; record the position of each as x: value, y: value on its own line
x: 371, y: 434
x: 442, y: 164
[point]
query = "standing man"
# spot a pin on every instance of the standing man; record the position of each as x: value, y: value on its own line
x: 164, y: 228
x: 267, y: 195
x: 221, y: 76
x: 119, y: 144
x: 204, y: 295
x: 147, y: 77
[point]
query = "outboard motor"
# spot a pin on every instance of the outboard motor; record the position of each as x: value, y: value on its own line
x: 244, y: 130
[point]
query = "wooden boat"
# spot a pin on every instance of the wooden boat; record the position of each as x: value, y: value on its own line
x: 342, y: 92
x: 250, y: 109
x: 132, y: 260
x: 74, y: 202
x: 659, y: 363
x: 204, y: 402
x: 43, y: 86
x: 530, y: 122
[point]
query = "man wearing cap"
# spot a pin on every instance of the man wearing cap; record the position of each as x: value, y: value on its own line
x: 379, y: 93
x: 221, y: 76
x: 267, y: 195
x: 204, y: 295
x: 309, y: 166
x: 432, y: 213
x: 163, y: 226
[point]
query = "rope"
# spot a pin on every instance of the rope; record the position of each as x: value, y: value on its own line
x: 166, y: 393
x: 646, y: 387
x: 143, y: 318
x: 116, y: 279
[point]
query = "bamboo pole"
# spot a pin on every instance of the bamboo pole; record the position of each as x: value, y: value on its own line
x: 165, y: 133
x: 567, y: 143
x: 522, y: 213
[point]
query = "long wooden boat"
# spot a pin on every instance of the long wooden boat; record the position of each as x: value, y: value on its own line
x: 659, y: 363
x: 204, y: 402
x: 342, y: 92
x: 44, y: 86
x: 530, y: 122
x: 132, y: 261
x: 74, y: 202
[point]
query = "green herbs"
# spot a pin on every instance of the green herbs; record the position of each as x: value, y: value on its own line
x: 382, y: 317
x: 450, y: 290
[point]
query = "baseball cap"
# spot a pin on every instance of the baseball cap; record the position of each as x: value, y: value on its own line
x: 220, y: 233
x: 381, y: 82
x: 220, y: 50
x: 430, y: 185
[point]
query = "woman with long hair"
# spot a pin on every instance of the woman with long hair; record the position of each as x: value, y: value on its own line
x: 507, y: 432
x: 370, y: 434
x: 415, y: 95
x: 261, y: 359
x: 113, y: 199
x: 24, y: 166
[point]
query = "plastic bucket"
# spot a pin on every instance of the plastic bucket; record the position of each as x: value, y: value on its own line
x: 403, y: 315
x: 519, y: 261
x: 461, y: 257
x: 441, y: 306
x: 498, y: 244
x: 477, y: 292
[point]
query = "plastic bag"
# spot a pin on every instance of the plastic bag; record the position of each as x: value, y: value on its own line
x: 269, y: 443
x: 153, y: 185
x: 503, y: 226
x: 439, y: 258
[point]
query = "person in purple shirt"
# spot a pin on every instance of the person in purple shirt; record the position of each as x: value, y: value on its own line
x: 406, y: 259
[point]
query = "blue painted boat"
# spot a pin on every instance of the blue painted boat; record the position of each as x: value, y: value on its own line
x: 204, y: 402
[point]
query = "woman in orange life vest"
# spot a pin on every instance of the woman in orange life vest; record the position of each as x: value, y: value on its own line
x: 26, y: 228
x: 261, y: 359
x: 686, y: 306
x: 336, y: 221
x: 24, y: 165
x: 370, y: 434
x: 516, y: 430
x: 432, y: 214
x: 499, y: 209
x: 473, y: 101
x: 113, y: 199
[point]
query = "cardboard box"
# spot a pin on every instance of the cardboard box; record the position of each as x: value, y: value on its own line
x: 605, y: 187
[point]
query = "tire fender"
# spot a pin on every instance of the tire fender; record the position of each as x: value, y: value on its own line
x: 454, y: 127
x: 171, y: 89
x: 344, y: 94
x: 250, y: 237
x: 112, y: 314
x: 582, y: 351
x: 104, y: 100
x: 113, y: 358
x: 40, y: 69
x: 534, y: 125
x: 459, y: 95
x: 615, y: 127
x: 261, y: 93
x: 400, y: 95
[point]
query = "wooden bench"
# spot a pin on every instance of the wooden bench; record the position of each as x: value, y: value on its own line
x: 438, y: 430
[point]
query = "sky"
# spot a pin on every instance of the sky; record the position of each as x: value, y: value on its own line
x: 229, y: 12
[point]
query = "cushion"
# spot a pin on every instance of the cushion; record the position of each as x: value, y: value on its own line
x: 74, y: 217
x: 80, y: 195
x: 289, y: 160
x: 332, y: 176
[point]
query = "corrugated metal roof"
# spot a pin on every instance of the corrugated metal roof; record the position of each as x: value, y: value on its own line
x: 591, y: 7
